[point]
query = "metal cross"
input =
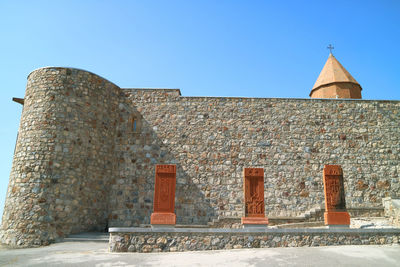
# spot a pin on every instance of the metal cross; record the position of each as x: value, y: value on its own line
x: 330, y: 47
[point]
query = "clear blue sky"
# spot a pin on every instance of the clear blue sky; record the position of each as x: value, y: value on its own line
x: 205, y: 48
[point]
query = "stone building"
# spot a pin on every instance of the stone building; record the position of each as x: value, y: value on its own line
x: 86, y: 152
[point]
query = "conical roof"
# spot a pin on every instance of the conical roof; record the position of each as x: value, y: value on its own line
x: 333, y: 72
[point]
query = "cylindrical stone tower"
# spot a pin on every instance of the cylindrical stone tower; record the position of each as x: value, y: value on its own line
x: 63, y: 158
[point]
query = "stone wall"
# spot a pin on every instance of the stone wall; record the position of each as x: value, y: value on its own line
x: 63, y: 160
x: 215, y: 239
x: 87, y: 150
x: 212, y: 139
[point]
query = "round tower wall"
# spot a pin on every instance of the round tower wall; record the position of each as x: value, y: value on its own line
x: 63, y: 159
x: 338, y: 90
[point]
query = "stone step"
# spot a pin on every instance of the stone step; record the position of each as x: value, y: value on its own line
x: 309, y: 213
x: 303, y: 216
x: 299, y: 225
x: 180, y: 226
x: 88, y: 237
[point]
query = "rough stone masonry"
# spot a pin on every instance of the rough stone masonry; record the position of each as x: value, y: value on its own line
x: 86, y: 154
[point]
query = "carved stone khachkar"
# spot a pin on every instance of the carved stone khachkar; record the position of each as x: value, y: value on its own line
x: 335, y: 203
x: 164, y: 196
x: 254, y: 197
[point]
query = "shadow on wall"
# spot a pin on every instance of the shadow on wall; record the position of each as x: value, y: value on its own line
x: 138, y: 150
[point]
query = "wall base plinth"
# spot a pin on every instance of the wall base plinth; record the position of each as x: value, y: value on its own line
x: 162, y: 226
x: 337, y: 226
x: 176, y: 239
